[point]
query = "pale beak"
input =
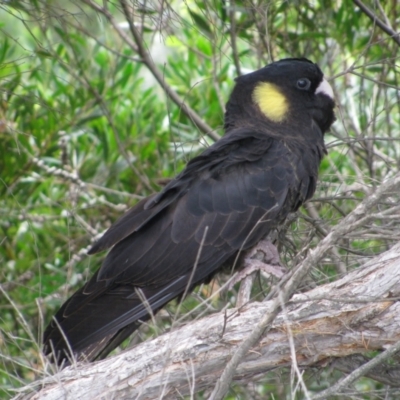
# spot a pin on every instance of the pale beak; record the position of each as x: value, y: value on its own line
x: 325, y: 88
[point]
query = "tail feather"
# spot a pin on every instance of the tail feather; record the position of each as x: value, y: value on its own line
x: 106, y: 321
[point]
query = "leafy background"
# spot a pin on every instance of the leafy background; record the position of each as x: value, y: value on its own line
x: 86, y: 130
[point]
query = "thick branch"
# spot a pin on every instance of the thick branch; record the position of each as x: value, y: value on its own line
x: 354, y: 315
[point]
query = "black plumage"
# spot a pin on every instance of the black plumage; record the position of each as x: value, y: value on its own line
x: 225, y: 200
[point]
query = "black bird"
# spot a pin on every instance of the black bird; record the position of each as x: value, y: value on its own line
x: 224, y: 202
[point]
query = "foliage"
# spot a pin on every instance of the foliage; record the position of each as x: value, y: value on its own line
x: 86, y: 130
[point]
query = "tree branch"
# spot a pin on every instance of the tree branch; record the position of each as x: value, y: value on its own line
x: 138, y: 46
x: 323, y: 325
x: 387, y: 29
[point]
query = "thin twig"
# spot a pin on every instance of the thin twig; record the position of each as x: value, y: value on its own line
x: 358, y: 373
x: 233, y: 35
x: 224, y: 381
x: 22, y: 279
x: 295, y: 365
x: 138, y: 46
x: 319, y: 225
x: 387, y: 373
x: 387, y: 29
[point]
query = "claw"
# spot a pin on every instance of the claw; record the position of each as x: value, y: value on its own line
x: 262, y: 257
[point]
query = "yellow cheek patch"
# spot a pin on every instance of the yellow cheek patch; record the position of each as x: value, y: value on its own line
x: 273, y: 104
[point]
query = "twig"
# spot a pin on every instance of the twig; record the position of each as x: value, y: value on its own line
x: 244, y: 293
x: 387, y: 29
x: 295, y: 365
x: 147, y: 60
x: 359, y: 372
x: 261, y: 21
x: 317, y: 222
x: 8, y: 286
x: 387, y: 373
x: 138, y: 46
x: 74, y: 178
x: 232, y: 32
x: 223, y: 383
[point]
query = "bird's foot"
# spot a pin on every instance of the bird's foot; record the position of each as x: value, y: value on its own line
x: 263, y: 257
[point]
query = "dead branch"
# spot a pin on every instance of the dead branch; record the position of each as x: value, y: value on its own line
x: 354, y: 315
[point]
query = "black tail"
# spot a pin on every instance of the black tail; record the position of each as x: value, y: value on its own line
x: 91, y: 324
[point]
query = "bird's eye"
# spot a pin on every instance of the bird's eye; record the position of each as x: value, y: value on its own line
x: 303, y: 84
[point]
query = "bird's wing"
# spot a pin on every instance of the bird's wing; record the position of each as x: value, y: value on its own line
x: 218, y: 209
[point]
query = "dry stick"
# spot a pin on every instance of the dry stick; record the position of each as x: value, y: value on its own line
x: 339, y: 265
x: 232, y: 32
x: 223, y: 383
x: 23, y: 322
x: 394, y: 35
x: 74, y: 178
x: 138, y: 47
x: 19, y: 281
x: 295, y: 366
x: 359, y: 372
x: 388, y: 374
x: 189, y: 283
x: 147, y: 60
x: 353, y: 220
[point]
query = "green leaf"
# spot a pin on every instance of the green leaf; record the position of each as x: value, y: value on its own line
x: 201, y: 23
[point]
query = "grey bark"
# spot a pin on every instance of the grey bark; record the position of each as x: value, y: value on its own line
x: 332, y: 324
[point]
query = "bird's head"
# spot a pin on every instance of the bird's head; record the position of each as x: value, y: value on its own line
x: 288, y: 93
